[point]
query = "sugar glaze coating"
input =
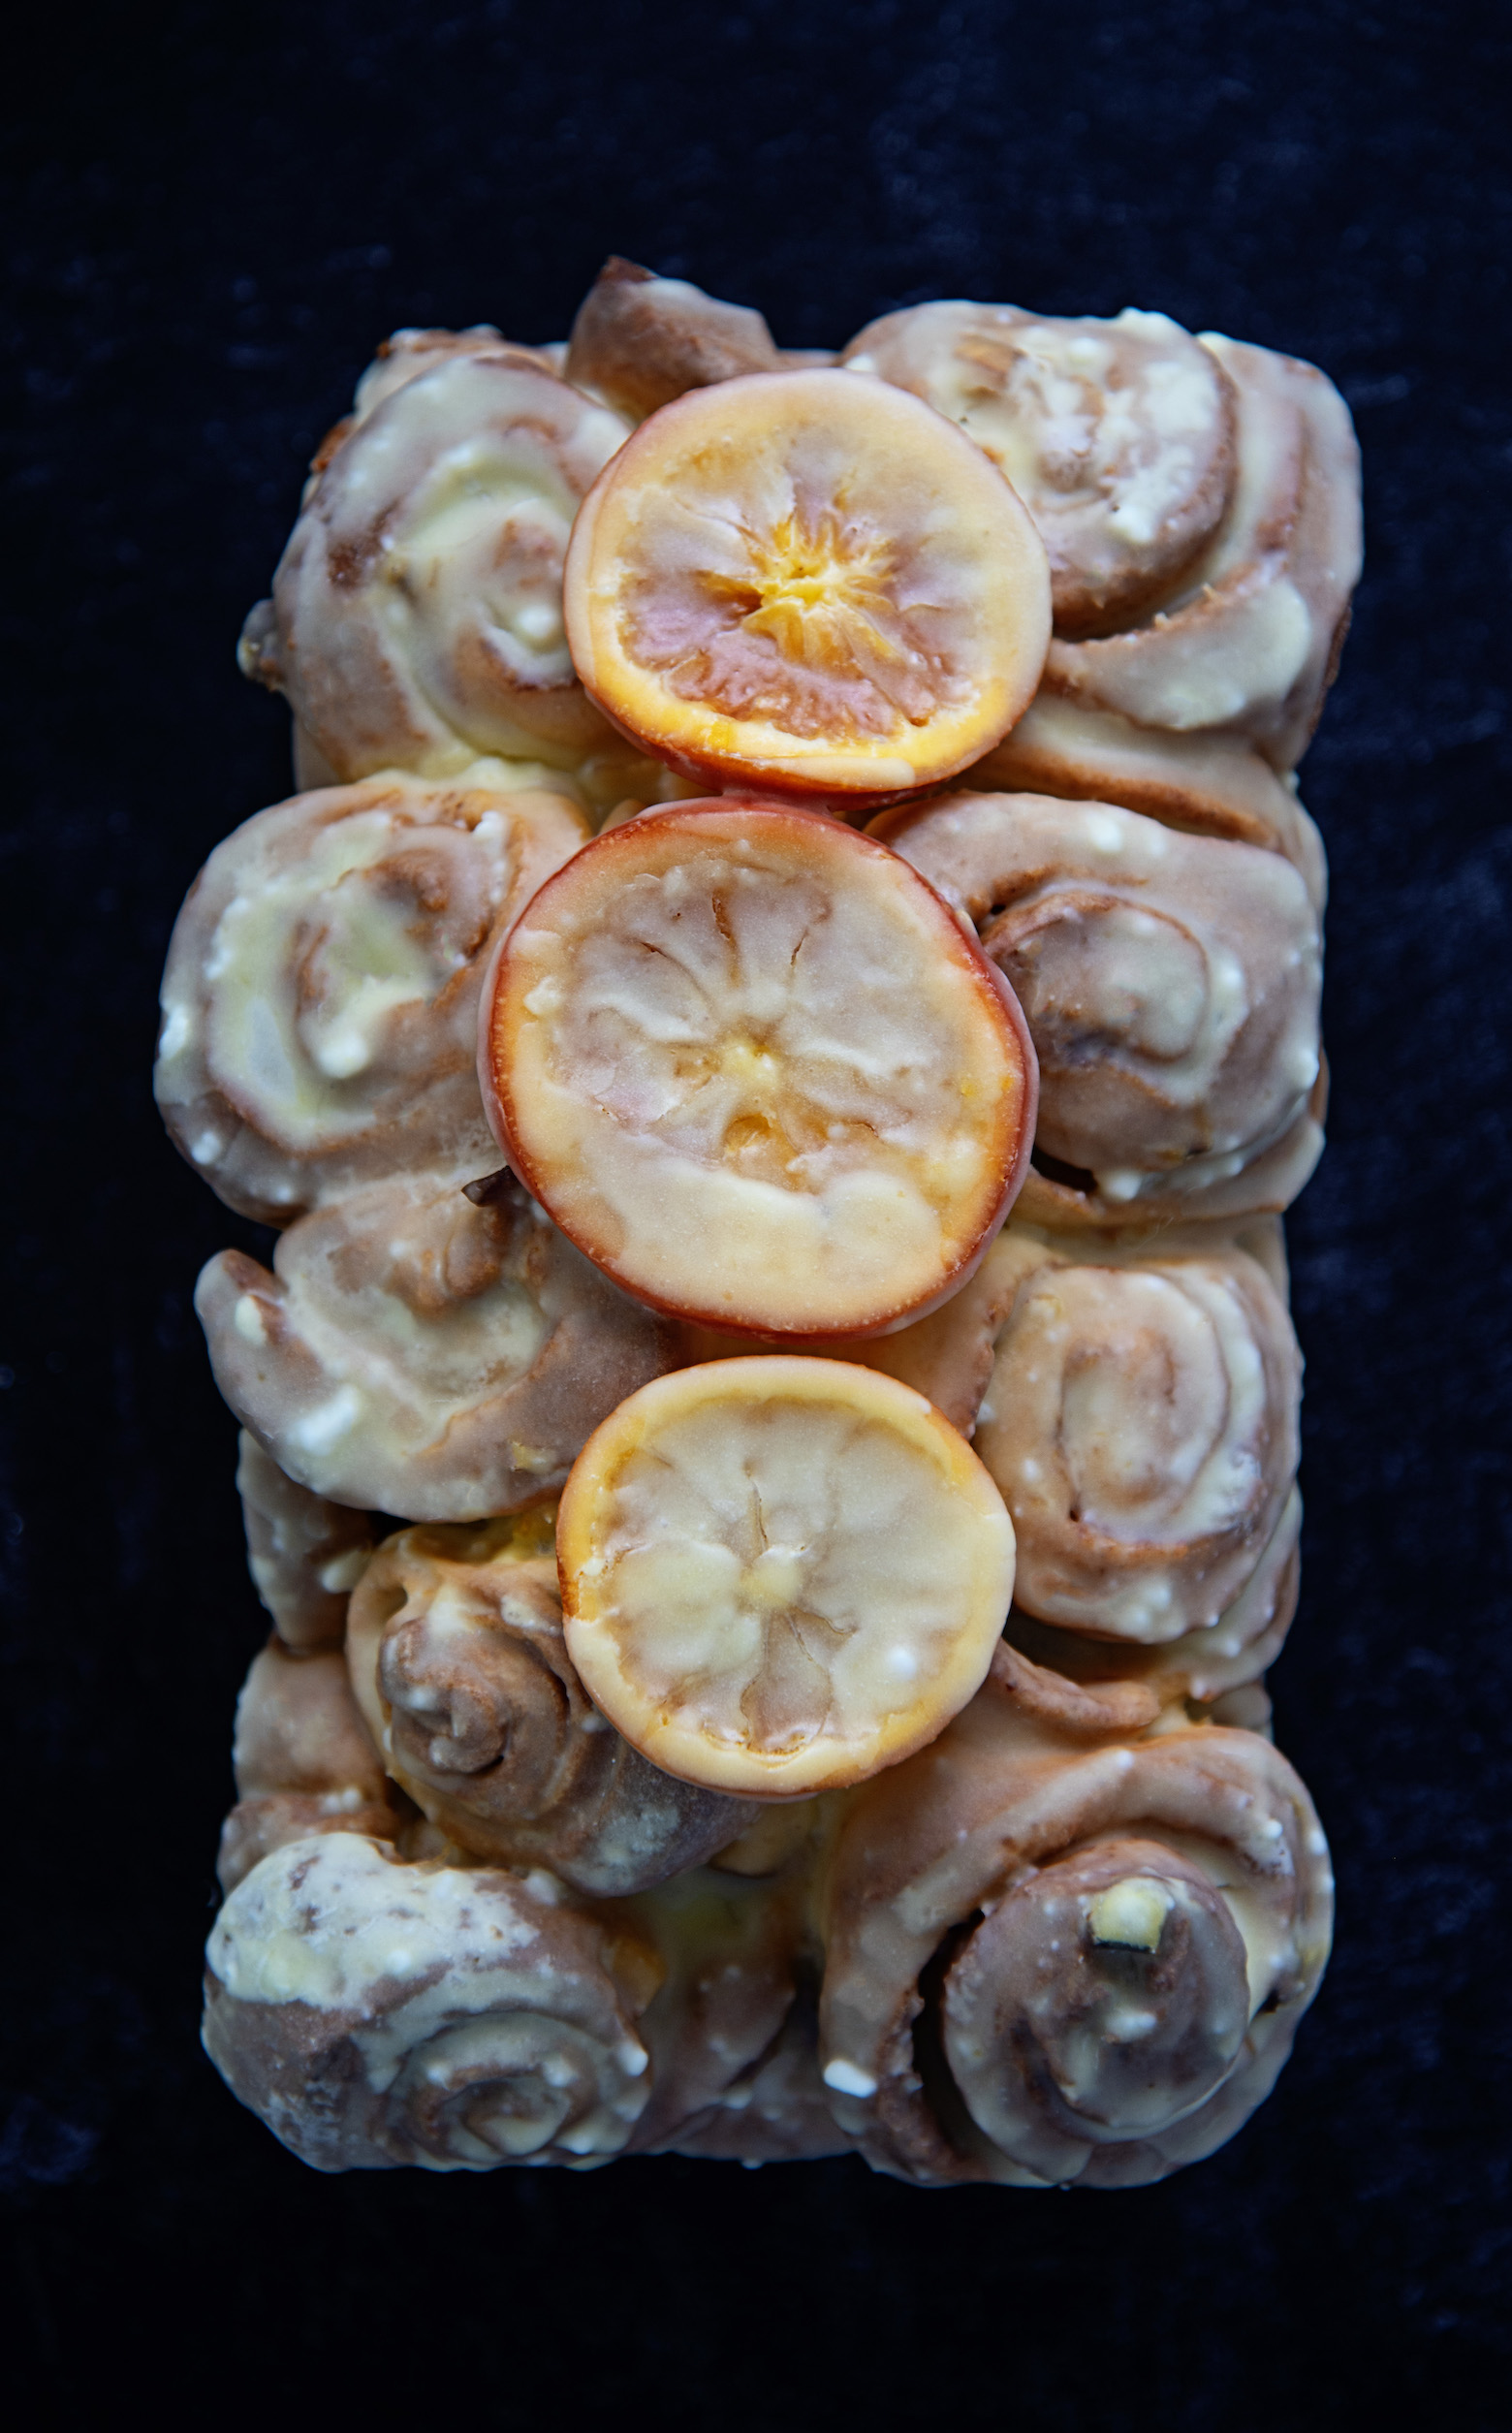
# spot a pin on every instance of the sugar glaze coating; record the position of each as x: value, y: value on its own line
x: 425, y: 1353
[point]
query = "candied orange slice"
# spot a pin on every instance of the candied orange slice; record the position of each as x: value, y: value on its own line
x: 811, y: 579
x: 782, y: 1574
x: 755, y: 1068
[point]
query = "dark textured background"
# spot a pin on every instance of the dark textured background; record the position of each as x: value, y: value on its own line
x: 220, y: 211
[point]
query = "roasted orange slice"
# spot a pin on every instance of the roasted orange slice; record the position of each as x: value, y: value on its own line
x: 754, y: 1067
x: 782, y: 1574
x: 809, y: 579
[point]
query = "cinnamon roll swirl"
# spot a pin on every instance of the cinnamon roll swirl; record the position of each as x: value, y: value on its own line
x: 305, y: 1553
x: 733, y: 2030
x: 458, y: 1660
x: 1061, y: 1952
x: 1170, y: 984
x: 416, y: 619
x: 320, y: 1002
x: 1141, y: 1423
x: 1117, y: 436
x: 304, y: 1759
x: 1199, y: 500
x: 375, y: 2013
x: 419, y: 1353
x: 1248, y: 644
x: 1215, y: 785
x: 1208, y: 1666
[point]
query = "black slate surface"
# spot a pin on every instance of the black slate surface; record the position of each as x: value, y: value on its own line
x: 216, y: 214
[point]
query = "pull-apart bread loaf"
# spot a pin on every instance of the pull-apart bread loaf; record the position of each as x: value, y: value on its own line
x: 776, y: 1040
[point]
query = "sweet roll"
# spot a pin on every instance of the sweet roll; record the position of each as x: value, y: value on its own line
x: 1170, y: 984
x: 320, y: 1001
x: 457, y: 1655
x: 416, y: 619
x: 304, y: 1759
x: 424, y: 1352
x: 1064, y: 1951
x: 374, y: 2011
x: 1142, y: 1423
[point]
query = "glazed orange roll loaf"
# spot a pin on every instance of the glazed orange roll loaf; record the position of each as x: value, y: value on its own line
x: 777, y: 1040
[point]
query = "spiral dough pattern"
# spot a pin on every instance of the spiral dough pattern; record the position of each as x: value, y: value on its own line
x: 376, y: 2013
